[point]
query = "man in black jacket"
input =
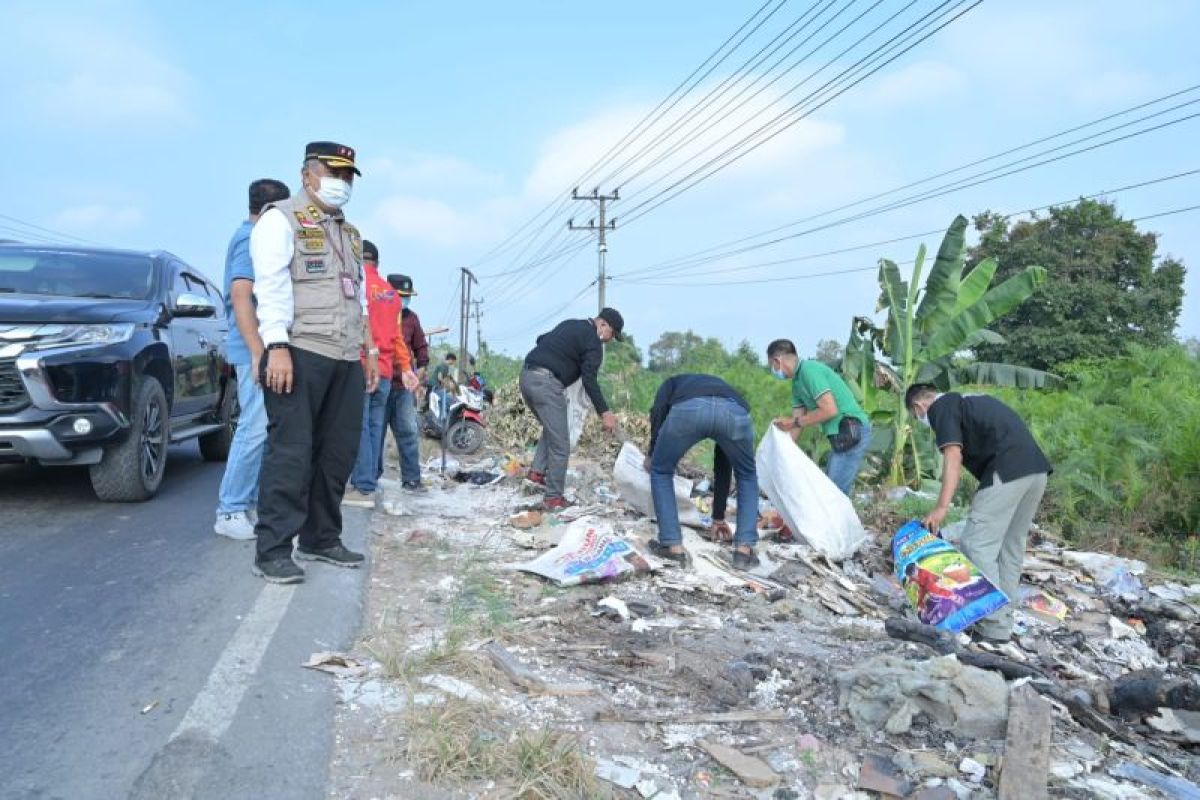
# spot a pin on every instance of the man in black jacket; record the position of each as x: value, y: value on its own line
x: 570, y: 352
x: 686, y: 410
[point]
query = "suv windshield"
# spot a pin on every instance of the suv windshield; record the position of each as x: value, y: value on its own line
x: 70, y: 274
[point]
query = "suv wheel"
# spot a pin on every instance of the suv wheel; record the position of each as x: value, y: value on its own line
x: 215, y: 446
x: 133, y: 470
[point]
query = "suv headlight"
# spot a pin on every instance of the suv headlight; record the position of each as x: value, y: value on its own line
x: 65, y: 335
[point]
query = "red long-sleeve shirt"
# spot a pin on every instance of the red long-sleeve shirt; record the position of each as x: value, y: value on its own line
x: 383, y: 309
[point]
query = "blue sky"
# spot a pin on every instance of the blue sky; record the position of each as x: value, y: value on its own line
x: 140, y: 125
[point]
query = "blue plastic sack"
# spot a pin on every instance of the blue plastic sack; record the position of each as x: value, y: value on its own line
x: 945, y: 588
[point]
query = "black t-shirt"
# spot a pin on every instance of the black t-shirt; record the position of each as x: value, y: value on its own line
x: 572, y: 351
x: 994, y: 440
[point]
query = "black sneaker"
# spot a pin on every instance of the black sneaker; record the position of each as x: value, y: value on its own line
x: 742, y: 560
x: 337, y: 555
x: 413, y: 486
x: 278, y: 570
x: 664, y: 551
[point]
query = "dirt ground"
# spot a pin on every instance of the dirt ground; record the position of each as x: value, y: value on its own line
x: 627, y: 699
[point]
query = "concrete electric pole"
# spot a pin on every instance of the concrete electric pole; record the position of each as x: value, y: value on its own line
x: 600, y: 229
x: 464, y: 320
x: 478, y: 327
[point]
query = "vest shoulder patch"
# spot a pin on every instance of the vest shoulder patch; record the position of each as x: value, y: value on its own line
x: 304, y: 220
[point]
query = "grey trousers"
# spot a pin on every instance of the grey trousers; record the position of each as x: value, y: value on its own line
x: 544, y: 396
x: 994, y: 539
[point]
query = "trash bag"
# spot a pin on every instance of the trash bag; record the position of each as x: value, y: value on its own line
x: 579, y: 405
x: 589, y: 552
x: 633, y: 485
x: 807, y: 500
x: 947, y: 590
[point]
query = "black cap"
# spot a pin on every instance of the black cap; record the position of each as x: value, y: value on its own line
x: 370, y: 251
x: 335, y: 155
x: 614, y: 320
x: 401, y: 283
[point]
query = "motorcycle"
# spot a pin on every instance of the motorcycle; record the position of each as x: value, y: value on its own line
x: 458, y: 419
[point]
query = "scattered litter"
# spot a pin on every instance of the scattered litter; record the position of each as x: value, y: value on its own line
x: 590, y: 552
x: 153, y: 705
x: 478, y: 477
x: 530, y: 518
x: 339, y: 664
x: 615, y: 605
x: 1046, y: 606
x: 456, y: 687
x: 1169, y: 785
x: 974, y: 771
x: 879, y: 774
x: 625, y: 777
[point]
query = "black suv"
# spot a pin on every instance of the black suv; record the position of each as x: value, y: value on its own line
x: 106, y: 358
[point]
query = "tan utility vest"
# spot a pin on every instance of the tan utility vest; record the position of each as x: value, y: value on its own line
x: 326, y: 267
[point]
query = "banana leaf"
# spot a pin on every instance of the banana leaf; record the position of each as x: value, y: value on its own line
x: 941, y: 289
x: 894, y: 297
x: 991, y: 374
x: 996, y: 302
x: 974, y: 285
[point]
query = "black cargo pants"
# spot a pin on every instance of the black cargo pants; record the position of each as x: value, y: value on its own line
x: 312, y: 441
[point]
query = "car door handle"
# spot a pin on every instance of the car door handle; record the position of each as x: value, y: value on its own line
x: 203, y: 341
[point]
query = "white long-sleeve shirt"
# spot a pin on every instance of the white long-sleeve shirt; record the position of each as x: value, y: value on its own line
x: 272, y: 246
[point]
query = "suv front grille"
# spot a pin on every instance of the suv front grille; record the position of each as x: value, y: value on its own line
x: 12, y: 389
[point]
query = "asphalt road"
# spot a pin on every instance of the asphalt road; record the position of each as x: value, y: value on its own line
x: 140, y: 658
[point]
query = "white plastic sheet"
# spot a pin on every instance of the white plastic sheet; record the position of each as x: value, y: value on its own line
x: 633, y: 485
x: 589, y: 552
x: 807, y: 500
x: 579, y: 405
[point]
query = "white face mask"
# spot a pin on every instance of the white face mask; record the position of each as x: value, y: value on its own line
x: 334, y: 192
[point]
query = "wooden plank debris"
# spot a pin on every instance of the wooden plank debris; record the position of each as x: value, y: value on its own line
x: 751, y: 770
x: 716, y: 717
x: 527, y: 679
x: 1027, y: 748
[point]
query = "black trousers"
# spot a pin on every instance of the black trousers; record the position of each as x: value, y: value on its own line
x: 312, y: 441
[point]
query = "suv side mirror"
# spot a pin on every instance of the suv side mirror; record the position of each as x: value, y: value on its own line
x: 188, y: 304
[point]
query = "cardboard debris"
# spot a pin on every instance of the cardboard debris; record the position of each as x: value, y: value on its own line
x: 339, y: 664
x: 751, y: 771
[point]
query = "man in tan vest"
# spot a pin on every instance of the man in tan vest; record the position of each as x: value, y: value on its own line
x: 308, y: 280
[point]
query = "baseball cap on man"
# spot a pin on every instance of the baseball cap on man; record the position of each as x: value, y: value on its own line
x: 370, y: 251
x: 614, y: 320
x: 402, y: 284
x: 335, y: 155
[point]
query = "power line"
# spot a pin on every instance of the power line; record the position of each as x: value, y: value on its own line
x: 705, y: 254
x: 946, y: 189
x: 58, y: 236
x: 674, y: 189
x: 851, y: 270
x: 679, y: 274
x: 637, y: 129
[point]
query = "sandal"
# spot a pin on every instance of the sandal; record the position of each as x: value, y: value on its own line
x: 663, y: 551
x: 719, y: 531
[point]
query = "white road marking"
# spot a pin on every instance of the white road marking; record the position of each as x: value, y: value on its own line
x: 214, y: 708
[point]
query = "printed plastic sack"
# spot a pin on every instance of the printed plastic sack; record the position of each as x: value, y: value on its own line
x: 947, y: 590
x: 633, y: 485
x: 809, y: 503
x: 579, y: 405
x: 589, y: 552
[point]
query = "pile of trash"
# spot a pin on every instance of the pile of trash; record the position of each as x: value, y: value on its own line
x: 514, y: 427
x: 811, y: 675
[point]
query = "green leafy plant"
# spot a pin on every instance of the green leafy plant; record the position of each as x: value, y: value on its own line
x: 927, y: 327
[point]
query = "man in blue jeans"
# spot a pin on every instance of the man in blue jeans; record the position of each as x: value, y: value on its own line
x: 401, y: 411
x: 686, y: 410
x: 238, y: 495
x: 821, y: 397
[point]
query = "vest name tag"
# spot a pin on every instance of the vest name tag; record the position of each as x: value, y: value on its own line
x: 314, y: 266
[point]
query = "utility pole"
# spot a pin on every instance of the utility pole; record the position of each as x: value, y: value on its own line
x: 478, y: 327
x: 464, y: 320
x: 600, y: 228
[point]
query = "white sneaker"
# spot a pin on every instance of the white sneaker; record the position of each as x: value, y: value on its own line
x: 234, y: 526
x: 357, y: 499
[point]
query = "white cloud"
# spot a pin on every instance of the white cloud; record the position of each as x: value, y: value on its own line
x: 66, y: 67
x: 98, y: 216
x: 427, y: 221
x: 437, y: 173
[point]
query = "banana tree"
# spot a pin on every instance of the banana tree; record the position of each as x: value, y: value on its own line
x: 926, y: 327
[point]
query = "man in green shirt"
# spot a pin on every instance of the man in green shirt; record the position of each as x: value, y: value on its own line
x: 821, y: 397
